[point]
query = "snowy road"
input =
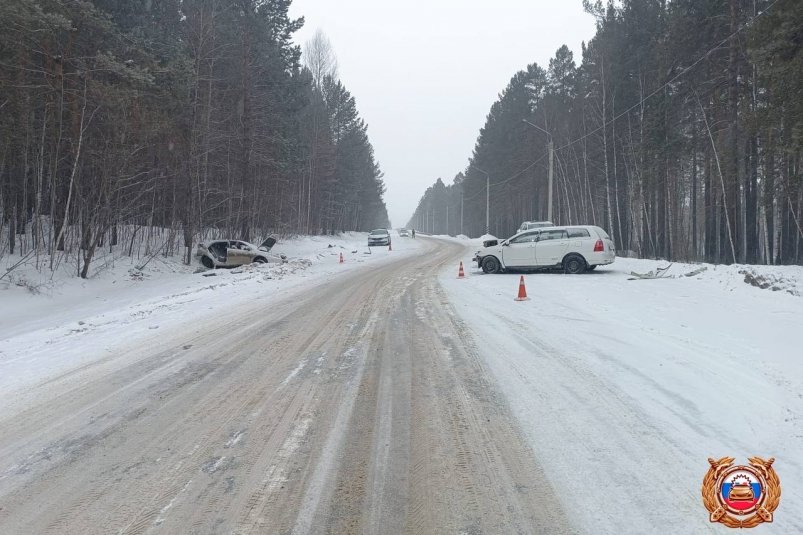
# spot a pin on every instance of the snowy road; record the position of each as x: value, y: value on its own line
x: 625, y: 388
x: 359, y: 406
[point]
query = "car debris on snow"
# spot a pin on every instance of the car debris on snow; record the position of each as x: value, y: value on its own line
x: 661, y: 273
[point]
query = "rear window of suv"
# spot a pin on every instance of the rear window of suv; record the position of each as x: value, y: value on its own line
x: 602, y: 233
x: 578, y: 233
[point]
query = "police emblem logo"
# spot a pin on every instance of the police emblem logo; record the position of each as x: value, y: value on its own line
x: 741, y: 496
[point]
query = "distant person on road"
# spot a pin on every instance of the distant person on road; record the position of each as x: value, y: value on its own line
x: 413, y: 233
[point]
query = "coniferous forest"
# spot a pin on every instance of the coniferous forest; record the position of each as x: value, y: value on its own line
x: 196, y: 116
x: 679, y: 131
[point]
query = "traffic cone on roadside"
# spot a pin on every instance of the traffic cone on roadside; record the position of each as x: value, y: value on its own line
x: 341, y: 258
x: 460, y: 273
x: 390, y: 248
x: 522, y: 291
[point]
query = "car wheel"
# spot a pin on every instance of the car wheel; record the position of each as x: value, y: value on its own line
x: 574, y: 264
x: 491, y: 265
x: 591, y: 268
x: 260, y: 260
x: 207, y: 262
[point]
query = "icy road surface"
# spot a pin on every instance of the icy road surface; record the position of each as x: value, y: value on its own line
x: 360, y: 405
x: 624, y: 388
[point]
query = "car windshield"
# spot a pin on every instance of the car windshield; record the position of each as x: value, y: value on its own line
x: 378, y: 232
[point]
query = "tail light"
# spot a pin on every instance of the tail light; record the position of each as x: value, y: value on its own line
x: 599, y: 246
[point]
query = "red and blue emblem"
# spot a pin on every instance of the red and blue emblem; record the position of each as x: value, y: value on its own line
x: 741, y: 496
x: 741, y: 490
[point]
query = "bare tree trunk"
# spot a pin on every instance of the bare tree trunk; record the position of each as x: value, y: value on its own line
x: 72, y: 175
x: 721, y: 179
x: 619, y: 238
x: 585, y: 173
x: 731, y: 182
x: 605, y: 148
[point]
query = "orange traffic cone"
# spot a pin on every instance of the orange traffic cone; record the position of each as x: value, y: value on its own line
x: 389, y: 247
x: 522, y: 291
x: 341, y: 258
x: 460, y: 273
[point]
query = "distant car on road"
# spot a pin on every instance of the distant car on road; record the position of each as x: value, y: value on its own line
x: 404, y: 233
x: 527, y: 225
x: 378, y: 237
x: 574, y: 249
x: 233, y: 253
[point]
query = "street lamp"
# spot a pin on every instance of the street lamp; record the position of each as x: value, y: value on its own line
x: 487, y: 198
x: 550, y: 146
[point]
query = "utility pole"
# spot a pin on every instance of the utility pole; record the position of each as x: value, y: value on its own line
x: 487, y: 199
x: 549, y: 206
x: 551, y: 148
x: 461, y: 210
x: 487, y: 203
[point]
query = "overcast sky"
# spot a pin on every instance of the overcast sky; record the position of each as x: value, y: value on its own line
x: 426, y: 72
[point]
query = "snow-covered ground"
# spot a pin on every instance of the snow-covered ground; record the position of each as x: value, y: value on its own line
x: 626, y: 387
x: 623, y: 387
x: 71, y: 321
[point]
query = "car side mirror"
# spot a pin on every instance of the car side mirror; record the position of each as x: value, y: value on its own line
x: 505, y: 243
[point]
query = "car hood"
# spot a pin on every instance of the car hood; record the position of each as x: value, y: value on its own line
x: 268, y: 244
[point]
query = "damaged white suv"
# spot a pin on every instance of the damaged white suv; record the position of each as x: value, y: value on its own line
x: 574, y: 249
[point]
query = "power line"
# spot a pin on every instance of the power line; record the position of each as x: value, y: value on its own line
x: 606, y: 123
x: 674, y: 78
x: 510, y: 178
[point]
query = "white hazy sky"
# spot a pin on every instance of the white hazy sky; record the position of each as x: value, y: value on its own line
x: 426, y: 72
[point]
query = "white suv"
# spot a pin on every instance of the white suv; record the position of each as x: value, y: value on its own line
x: 574, y: 249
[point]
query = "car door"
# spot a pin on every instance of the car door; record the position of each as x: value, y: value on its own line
x: 218, y: 250
x: 520, y: 250
x: 239, y: 253
x: 551, y: 247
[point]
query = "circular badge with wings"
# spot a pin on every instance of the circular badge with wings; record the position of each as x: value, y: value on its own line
x: 741, y: 496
